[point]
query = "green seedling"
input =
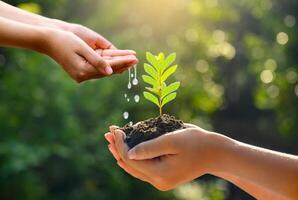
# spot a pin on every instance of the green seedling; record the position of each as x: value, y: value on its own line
x: 159, y: 69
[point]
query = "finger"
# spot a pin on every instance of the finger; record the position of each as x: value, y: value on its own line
x: 163, y: 145
x: 120, y: 145
x: 147, y: 167
x: 81, y: 70
x: 133, y: 172
x: 103, y: 43
x: 114, y: 152
x: 95, y: 60
x: 109, y: 137
x: 115, y: 52
x: 91, y: 72
x: 113, y: 128
x: 122, y: 62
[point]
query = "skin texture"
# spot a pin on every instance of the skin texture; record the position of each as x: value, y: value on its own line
x: 82, y: 53
x: 167, y: 162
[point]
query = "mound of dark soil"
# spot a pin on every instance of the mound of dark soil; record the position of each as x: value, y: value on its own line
x: 150, y: 129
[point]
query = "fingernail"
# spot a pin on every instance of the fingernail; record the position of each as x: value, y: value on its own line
x: 132, y: 154
x: 109, y: 70
x: 106, y: 135
x: 132, y: 51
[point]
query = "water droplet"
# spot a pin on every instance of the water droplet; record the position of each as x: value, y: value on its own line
x: 129, y: 80
x: 125, y: 115
x: 125, y: 95
x: 135, y: 81
x: 137, y: 98
x: 129, y: 85
x: 130, y: 123
x: 128, y: 99
x: 131, y: 75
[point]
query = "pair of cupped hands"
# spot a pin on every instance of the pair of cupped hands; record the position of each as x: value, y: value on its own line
x: 167, y: 161
x: 84, y: 54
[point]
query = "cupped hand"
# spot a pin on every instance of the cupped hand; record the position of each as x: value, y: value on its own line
x: 167, y: 161
x: 80, y: 61
x: 93, y: 39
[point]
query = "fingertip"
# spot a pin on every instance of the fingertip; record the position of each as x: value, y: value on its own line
x: 132, y: 154
x: 113, y: 128
x: 108, y: 70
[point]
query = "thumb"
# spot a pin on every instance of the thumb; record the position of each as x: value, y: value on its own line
x: 97, y: 61
x: 163, y: 145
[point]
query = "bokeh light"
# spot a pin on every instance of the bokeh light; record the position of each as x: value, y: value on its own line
x: 266, y: 76
x: 290, y: 21
x: 282, y: 38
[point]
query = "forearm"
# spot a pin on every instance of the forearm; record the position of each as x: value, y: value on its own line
x: 17, y: 14
x: 16, y: 34
x: 263, y: 173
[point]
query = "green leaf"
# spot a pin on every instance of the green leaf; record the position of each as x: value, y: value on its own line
x: 152, y: 60
x: 151, y: 97
x: 150, y: 70
x: 168, y: 98
x: 153, y: 90
x: 168, y: 73
x: 169, y: 89
x: 161, y: 56
x: 149, y: 80
x: 170, y: 59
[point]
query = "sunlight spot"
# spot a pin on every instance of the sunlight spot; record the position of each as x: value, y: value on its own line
x: 30, y: 7
x: 270, y: 64
x: 194, y: 8
x: 290, y: 21
x: 292, y: 76
x: 228, y: 50
x: 267, y: 76
x: 219, y: 36
x: 211, y: 3
x: 202, y: 66
x: 273, y: 91
x: 191, y: 35
x: 191, y: 190
x: 282, y: 38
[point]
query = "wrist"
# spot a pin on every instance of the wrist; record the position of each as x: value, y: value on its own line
x: 59, y: 24
x: 219, y: 149
x: 42, y: 43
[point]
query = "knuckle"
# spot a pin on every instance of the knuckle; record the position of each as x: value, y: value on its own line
x: 80, y: 76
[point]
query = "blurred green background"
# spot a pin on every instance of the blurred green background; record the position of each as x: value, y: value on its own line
x: 238, y: 67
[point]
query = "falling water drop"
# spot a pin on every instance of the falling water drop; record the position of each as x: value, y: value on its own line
x: 137, y: 98
x: 129, y: 80
x: 128, y: 99
x: 129, y: 85
x: 130, y: 123
x: 135, y: 80
x: 125, y: 95
x: 125, y: 115
x: 131, y: 75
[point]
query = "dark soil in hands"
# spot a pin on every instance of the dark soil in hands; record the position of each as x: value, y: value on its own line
x: 150, y: 129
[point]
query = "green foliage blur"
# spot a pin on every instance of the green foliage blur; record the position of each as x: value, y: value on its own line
x: 238, y: 69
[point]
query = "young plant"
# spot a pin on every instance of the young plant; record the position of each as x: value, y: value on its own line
x: 159, y: 69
